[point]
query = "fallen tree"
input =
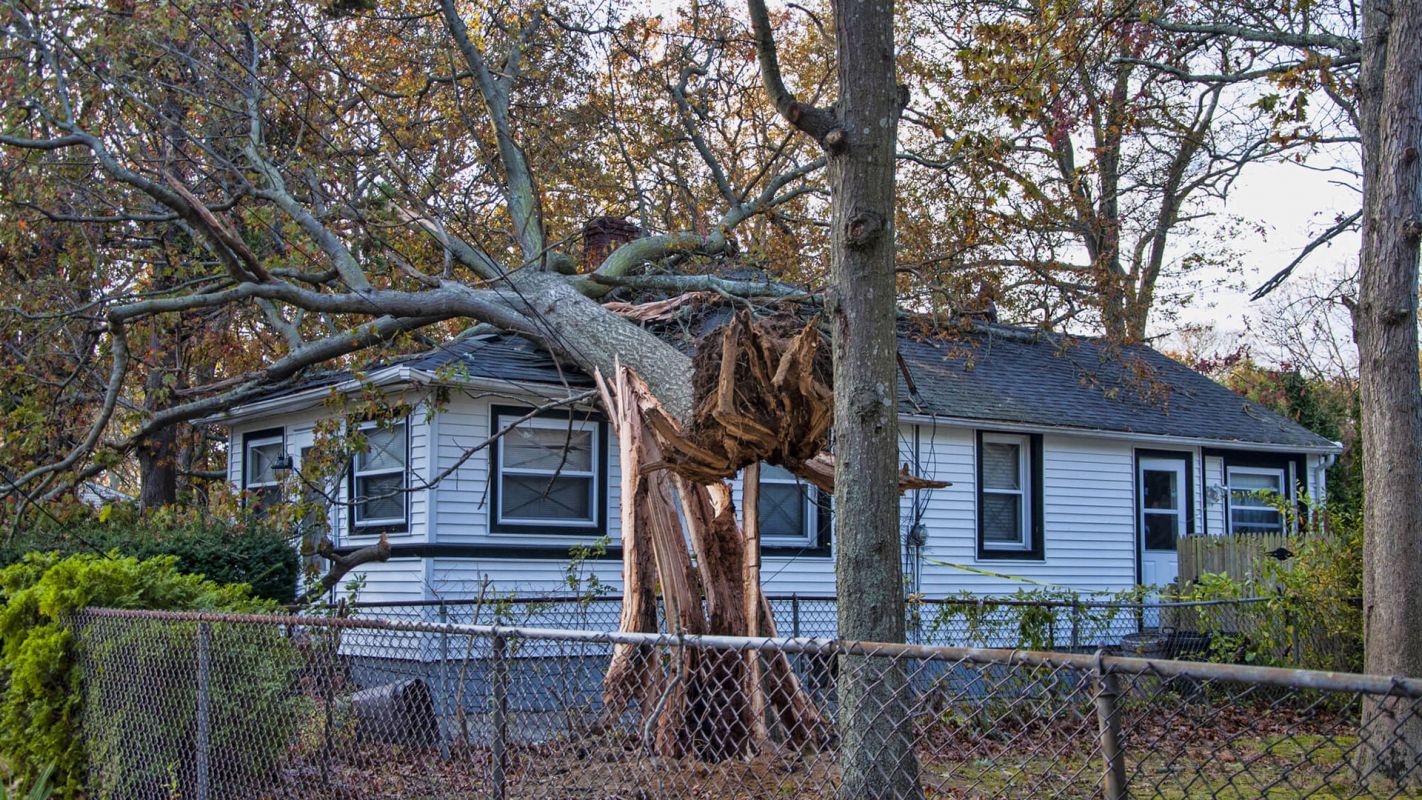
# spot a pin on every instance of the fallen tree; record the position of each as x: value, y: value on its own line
x: 330, y: 221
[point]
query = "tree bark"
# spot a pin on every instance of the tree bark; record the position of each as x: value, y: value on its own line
x: 876, y: 737
x: 1385, y: 327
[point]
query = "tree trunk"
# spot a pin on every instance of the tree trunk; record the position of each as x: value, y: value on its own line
x: 876, y: 737
x: 1390, y: 106
x: 158, y: 454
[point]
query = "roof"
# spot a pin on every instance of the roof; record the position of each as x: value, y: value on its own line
x: 993, y: 374
x: 504, y: 357
x: 1018, y: 376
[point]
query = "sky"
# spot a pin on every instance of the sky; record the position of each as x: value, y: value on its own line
x: 1294, y: 204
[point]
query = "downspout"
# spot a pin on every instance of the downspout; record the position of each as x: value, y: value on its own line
x: 1320, y: 478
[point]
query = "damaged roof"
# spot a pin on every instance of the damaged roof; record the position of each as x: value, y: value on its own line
x: 993, y: 374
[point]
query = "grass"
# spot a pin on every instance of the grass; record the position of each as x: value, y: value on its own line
x: 1268, y: 767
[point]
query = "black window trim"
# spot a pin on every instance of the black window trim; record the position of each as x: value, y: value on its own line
x: 1265, y: 459
x: 247, y: 439
x: 600, y: 480
x: 824, y: 527
x: 375, y: 530
x: 1036, y: 528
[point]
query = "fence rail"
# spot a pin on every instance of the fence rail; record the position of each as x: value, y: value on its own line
x: 212, y: 706
x: 1175, y: 629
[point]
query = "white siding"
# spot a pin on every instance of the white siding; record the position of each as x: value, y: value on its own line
x: 1215, y: 511
x: 463, y: 499
x: 1089, y: 516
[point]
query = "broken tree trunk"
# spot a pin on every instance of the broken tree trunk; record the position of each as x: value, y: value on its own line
x: 634, y: 671
x: 704, y: 706
x: 760, y: 396
x: 751, y: 594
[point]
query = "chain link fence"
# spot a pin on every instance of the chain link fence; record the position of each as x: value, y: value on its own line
x: 208, y: 706
x: 1221, y: 630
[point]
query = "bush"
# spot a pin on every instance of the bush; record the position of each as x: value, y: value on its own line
x: 223, y: 552
x: 43, y: 692
x: 146, y: 690
x: 1314, y: 618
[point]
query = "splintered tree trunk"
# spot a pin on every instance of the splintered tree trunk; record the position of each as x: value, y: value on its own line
x: 876, y: 734
x: 1390, y: 106
x: 706, y: 704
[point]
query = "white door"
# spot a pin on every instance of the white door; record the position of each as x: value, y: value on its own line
x: 1161, y: 491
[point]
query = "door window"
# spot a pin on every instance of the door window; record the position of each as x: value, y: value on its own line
x: 1162, y: 493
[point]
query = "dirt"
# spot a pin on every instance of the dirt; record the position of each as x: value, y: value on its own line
x: 1225, y: 753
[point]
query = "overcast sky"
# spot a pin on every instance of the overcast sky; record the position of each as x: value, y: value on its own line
x: 1293, y: 204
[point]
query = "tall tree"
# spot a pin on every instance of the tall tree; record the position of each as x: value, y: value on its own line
x: 1072, y: 165
x: 1385, y: 326
x: 1366, y: 59
x: 357, y: 180
x: 859, y: 135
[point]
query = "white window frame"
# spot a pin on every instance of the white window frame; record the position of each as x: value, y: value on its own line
x: 357, y: 523
x: 591, y: 523
x: 1023, y: 492
x: 248, y: 445
x: 809, y: 498
x: 1274, y: 472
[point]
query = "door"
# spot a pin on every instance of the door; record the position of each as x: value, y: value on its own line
x: 1161, y: 491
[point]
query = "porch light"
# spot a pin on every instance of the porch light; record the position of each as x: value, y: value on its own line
x: 281, y: 465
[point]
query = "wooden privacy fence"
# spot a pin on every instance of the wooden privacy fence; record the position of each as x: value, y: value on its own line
x: 1238, y: 555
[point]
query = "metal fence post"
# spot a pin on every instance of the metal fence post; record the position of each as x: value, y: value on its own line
x: 445, y: 692
x: 500, y: 690
x: 204, y: 722
x: 1075, y: 623
x: 1113, y: 759
x: 795, y: 615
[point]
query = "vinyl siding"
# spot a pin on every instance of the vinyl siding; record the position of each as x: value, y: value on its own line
x: 463, y: 503
x: 1089, y: 511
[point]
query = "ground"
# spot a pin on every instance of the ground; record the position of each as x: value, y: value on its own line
x: 1273, y: 756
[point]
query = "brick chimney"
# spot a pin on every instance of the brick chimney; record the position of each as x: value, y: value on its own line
x: 602, y: 235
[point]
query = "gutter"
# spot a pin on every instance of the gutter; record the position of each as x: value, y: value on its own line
x: 387, y: 377
x: 308, y: 398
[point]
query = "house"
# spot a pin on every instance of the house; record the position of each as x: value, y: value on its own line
x: 1073, y: 462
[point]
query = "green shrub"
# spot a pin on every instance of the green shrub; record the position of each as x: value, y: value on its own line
x: 43, y: 692
x: 147, y: 690
x: 224, y: 552
x: 1314, y: 618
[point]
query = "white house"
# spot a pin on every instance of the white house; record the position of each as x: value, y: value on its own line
x: 1073, y: 462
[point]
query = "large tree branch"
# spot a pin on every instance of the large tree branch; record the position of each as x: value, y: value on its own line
x: 519, y: 190
x: 275, y: 191
x: 820, y: 124
x: 1263, y: 36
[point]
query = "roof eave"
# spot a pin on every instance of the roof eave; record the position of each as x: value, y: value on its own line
x: 308, y: 398
x: 1332, y: 448
x: 389, y: 377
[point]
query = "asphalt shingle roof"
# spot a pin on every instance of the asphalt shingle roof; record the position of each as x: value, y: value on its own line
x: 994, y: 374
x: 502, y: 357
x: 1013, y: 375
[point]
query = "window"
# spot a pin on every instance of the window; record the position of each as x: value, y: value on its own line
x: 548, y: 475
x: 264, y: 451
x: 788, y: 511
x: 1009, y: 496
x: 379, y: 499
x: 1252, y: 492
